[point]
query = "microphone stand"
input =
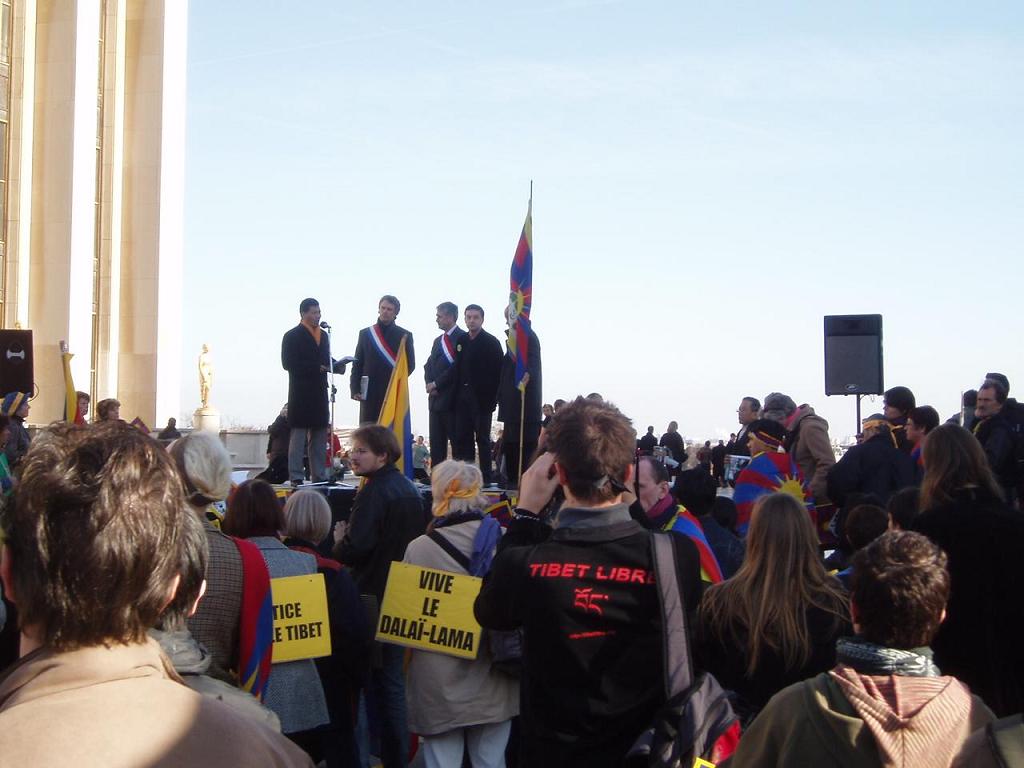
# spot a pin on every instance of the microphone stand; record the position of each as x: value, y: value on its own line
x: 332, y: 391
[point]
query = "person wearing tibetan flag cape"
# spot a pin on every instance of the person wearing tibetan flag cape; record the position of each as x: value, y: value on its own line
x: 696, y: 490
x: 663, y: 513
x: 234, y: 621
x: 375, y: 358
x: 768, y: 471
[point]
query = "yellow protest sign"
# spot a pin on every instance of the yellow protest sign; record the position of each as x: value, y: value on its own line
x: 301, y: 626
x: 431, y: 610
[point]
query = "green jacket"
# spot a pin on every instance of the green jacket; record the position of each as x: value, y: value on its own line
x: 813, y: 723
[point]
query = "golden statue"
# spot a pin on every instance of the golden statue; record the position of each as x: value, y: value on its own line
x: 205, y: 376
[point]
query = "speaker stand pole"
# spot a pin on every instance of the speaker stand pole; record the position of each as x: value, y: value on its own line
x: 857, y: 431
x: 331, y: 392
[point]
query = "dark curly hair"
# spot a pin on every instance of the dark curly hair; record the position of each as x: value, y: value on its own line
x: 900, y: 588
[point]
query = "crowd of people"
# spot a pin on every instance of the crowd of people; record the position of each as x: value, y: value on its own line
x: 859, y: 611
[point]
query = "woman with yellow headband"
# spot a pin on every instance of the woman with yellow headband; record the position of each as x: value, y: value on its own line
x: 456, y: 703
x: 875, y: 466
x: 770, y: 469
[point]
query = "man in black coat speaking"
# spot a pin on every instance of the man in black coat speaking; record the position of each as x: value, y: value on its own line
x: 375, y: 358
x: 306, y: 355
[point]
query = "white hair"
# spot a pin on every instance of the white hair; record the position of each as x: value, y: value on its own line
x: 307, y: 515
x: 206, y: 464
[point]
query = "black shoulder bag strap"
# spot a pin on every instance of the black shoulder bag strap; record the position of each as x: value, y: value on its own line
x: 451, y: 549
x: 678, y: 670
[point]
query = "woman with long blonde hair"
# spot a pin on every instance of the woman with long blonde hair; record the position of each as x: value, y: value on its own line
x: 776, y: 621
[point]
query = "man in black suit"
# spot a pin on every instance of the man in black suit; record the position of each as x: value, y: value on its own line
x: 306, y: 355
x: 676, y: 446
x: 648, y: 442
x: 375, y: 358
x: 748, y: 412
x: 439, y: 375
x: 479, y: 370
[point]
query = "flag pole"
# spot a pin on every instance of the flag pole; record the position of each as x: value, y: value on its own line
x: 522, y: 420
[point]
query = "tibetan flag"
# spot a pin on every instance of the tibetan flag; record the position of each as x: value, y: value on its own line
x: 256, y: 624
x: 769, y: 473
x: 71, y: 413
x: 521, y: 299
x: 684, y: 522
x: 500, y: 509
x: 394, y: 413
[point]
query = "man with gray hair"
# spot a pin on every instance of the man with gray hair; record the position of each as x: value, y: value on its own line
x: 807, y: 440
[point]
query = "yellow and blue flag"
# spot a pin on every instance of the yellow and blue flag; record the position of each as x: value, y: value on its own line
x: 72, y: 415
x: 394, y: 413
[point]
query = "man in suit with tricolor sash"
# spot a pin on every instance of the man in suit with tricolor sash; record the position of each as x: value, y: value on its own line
x: 375, y: 358
x: 439, y: 376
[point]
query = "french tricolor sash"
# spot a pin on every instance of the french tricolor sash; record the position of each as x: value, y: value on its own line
x: 448, y: 348
x: 382, y: 345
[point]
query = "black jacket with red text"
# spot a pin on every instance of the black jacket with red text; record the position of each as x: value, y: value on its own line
x: 586, y: 598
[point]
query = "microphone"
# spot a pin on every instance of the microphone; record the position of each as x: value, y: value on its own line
x: 324, y: 325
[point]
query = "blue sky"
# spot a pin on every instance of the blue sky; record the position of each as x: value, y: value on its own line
x: 709, y: 181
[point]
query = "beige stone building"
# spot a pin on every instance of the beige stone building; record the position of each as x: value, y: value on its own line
x: 92, y: 131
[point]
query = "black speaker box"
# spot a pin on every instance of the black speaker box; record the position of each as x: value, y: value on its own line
x: 853, y: 355
x: 16, y: 374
